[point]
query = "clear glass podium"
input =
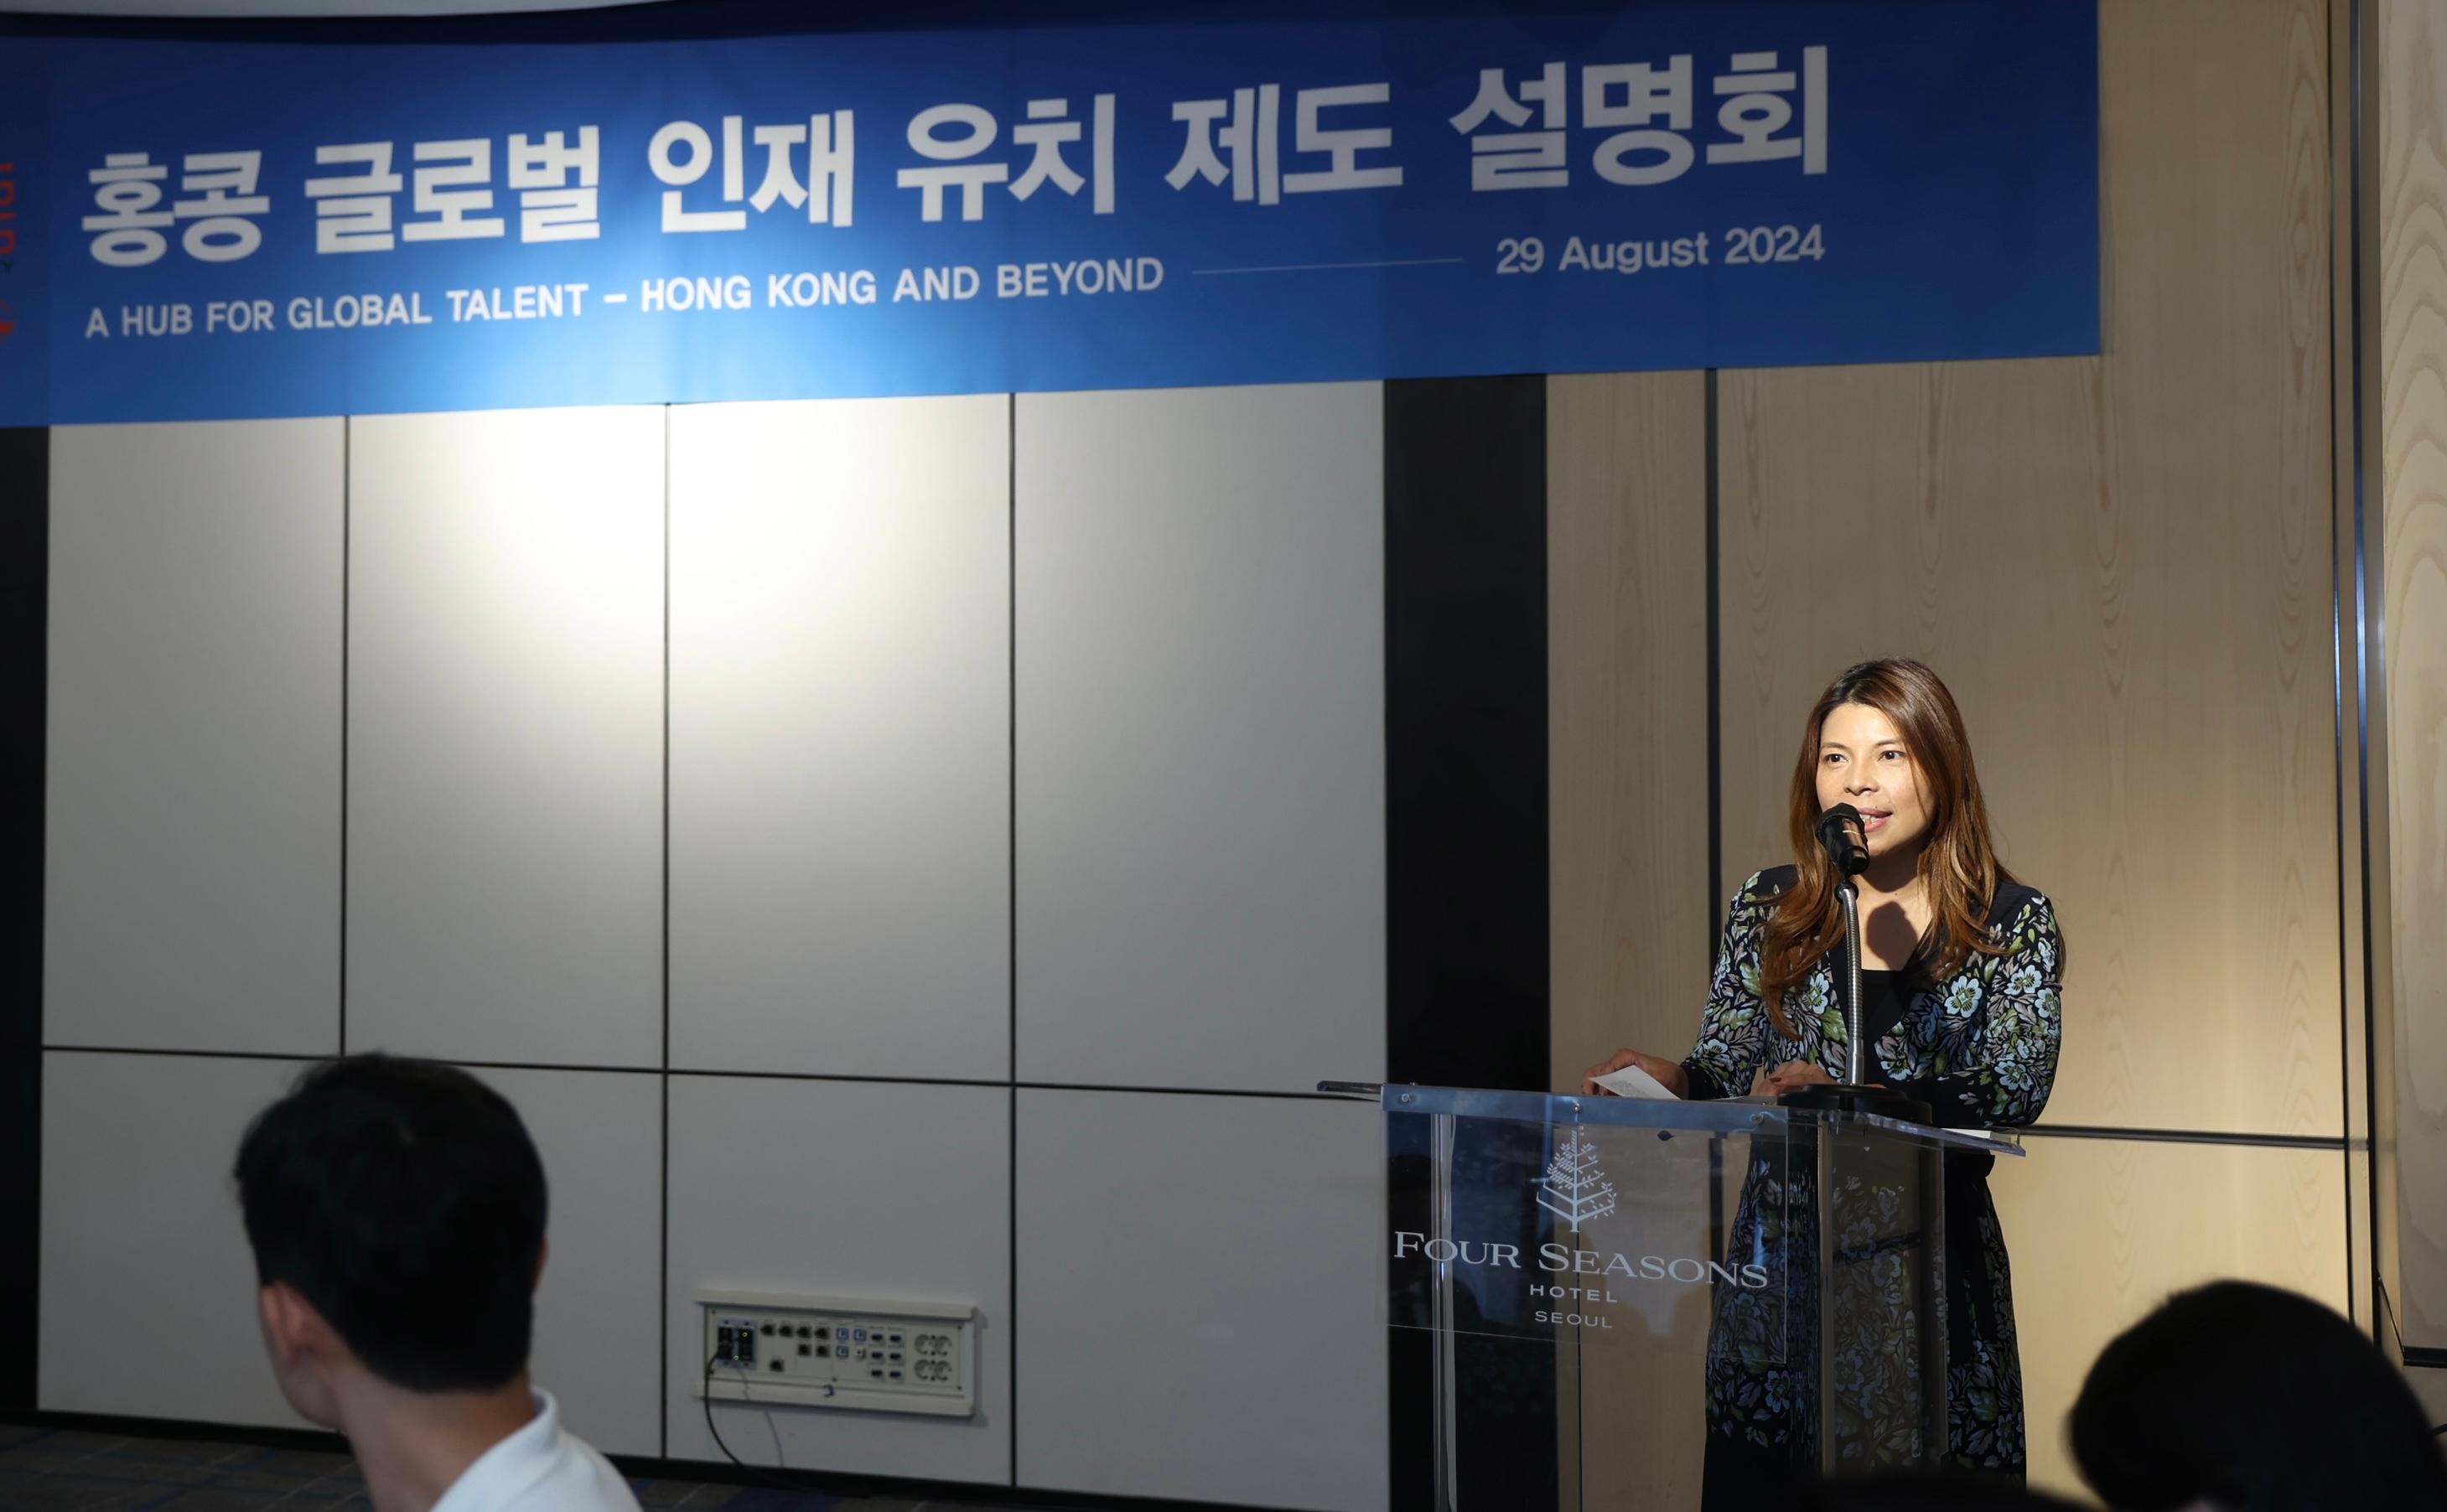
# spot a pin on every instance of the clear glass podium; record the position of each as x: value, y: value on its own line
x: 1625, y: 1259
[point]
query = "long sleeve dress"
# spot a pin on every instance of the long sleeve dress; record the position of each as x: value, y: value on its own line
x: 1980, y: 1048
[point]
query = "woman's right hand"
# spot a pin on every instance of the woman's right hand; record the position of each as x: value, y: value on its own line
x: 1669, y: 1073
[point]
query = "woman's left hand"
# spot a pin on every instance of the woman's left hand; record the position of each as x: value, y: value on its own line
x: 1795, y: 1074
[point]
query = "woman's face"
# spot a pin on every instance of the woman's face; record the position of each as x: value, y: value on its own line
x: 1862, y: 761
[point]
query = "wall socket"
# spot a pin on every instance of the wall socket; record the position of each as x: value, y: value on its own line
x: 783, y: 1351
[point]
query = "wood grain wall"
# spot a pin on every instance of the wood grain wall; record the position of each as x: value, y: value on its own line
x: 2121, y: 565
x: 2104, y: 1230
x: 2124, y: 566
x: 1627, y: 712
x: 1627, y: 802
x: 2347, y: 445
x: 2411, y: 310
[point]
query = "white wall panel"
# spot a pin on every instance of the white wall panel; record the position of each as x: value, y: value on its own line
x: 128, y: 1331
x: 147, y: 1284
x: 848, y: 1189
x: 1200, y: 673
x: 193, y: 739
x: 506, y: 714
x: 841, y: 737
x: 1201, y: 1299
x: 595, y: 1348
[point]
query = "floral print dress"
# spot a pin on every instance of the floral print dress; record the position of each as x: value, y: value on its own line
x: 1980, y: 1048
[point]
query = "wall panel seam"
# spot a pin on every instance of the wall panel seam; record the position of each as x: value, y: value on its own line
x: 1011, y: 906
x: 2337, y: 697
x: 663, y: 1080
x: 2369, y: 640
x: 347, y: 437
x: 1714, y: 590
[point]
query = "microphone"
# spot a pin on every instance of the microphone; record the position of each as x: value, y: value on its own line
x: 1840, y: 834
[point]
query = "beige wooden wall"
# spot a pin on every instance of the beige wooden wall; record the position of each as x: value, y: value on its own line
x: 2410, y: 211
x: 2124, y: 567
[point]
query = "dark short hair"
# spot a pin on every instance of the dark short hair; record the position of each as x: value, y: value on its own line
x: 405, y: 1201
x: 2253, y: 1398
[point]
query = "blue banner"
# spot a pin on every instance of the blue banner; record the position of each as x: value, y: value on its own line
x: 196, y: 230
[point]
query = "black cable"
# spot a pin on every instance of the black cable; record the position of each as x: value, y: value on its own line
x: 757, y: 1471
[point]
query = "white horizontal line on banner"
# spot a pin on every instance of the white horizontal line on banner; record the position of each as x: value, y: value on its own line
x: 1313, y: 267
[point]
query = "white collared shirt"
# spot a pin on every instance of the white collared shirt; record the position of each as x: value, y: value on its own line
x: 540, y: 1469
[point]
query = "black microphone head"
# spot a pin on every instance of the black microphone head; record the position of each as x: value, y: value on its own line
x: 1845, y: 838
x: 1836, y: 818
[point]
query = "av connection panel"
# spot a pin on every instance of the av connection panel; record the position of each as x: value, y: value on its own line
x: 834, y: 1352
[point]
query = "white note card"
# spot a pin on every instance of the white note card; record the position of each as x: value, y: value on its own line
x: 1633, y: 1081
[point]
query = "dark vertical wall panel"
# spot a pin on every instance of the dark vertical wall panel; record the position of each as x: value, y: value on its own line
x: 1466, y: 849
x: 25, y: 534
x: 1466, y: 731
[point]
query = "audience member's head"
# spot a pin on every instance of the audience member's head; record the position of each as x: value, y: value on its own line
x: 2246, y: 1398
x: 396, y: 1208
x: 1930, y: 1491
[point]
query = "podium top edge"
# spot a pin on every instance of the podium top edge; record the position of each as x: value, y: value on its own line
x: 1733, y: 1115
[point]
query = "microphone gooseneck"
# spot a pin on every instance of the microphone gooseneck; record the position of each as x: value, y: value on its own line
x: 1845, y: 838
x: 1851, y: 981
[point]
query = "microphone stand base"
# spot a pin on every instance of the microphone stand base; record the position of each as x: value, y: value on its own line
x: 1837, y: 1098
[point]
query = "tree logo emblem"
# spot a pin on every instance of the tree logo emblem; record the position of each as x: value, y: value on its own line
x: 1574, y: 1189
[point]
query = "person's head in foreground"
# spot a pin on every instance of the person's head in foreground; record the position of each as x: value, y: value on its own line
x: 2236, y: 1397
x: 396, y: 1209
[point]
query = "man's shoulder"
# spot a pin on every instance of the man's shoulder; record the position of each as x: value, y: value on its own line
x: 579, y: 1480
x: 543, y: 1467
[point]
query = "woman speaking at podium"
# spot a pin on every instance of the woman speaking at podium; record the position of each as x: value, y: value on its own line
x: 1960, y: 966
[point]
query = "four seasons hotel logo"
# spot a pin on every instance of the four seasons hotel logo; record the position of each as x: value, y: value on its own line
x: 1574, y: 1189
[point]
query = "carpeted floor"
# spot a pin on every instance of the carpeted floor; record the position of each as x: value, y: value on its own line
x: 57, y: 1470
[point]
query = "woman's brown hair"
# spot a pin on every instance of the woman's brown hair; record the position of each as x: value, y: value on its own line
x: 1958, y: 863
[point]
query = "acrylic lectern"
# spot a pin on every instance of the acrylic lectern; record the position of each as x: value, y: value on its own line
x: 1622, y: 1259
